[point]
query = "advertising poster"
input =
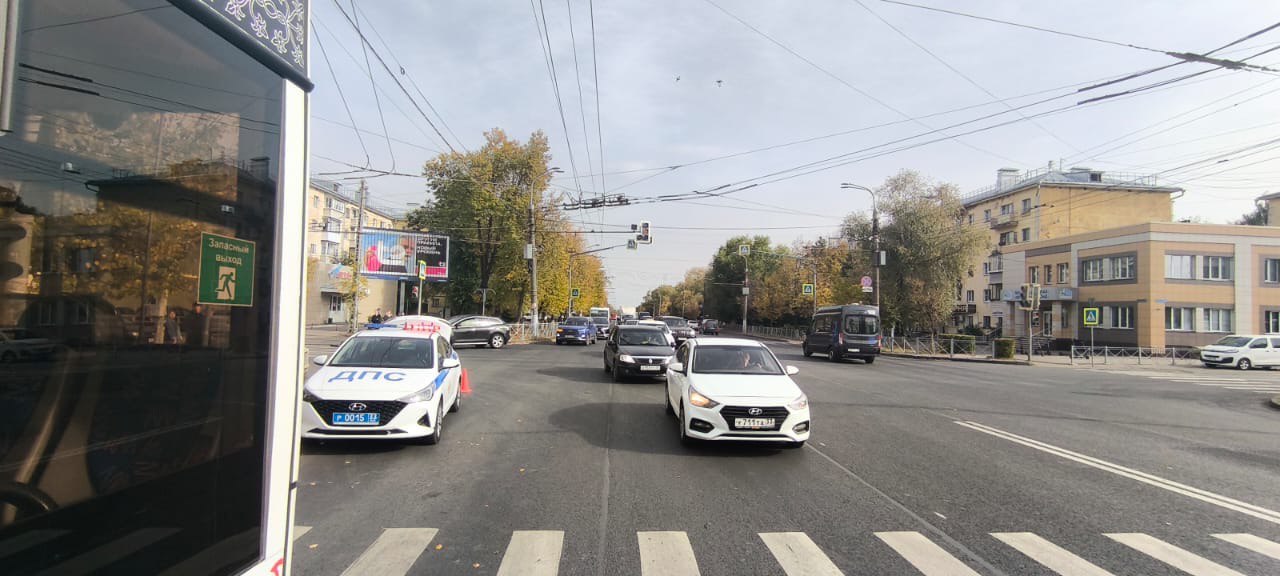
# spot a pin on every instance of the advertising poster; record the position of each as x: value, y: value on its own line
x: 394, y: 255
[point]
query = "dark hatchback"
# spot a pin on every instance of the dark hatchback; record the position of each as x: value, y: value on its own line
x: 637, y: 351
x: 480, y: 330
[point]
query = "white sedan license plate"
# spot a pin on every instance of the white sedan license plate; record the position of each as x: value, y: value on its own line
x: 650, y: 368
x: 356, y: 418
x: 753, y: 422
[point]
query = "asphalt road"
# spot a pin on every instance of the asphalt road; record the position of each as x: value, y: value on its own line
x: 913, y: 467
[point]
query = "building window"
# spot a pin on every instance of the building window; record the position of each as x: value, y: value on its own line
x: 971, y: 218
x: 986, y: 295
x: 1117, y: 317
x: 313, y: 248
x: 329, y: 248
x: 1006, y: 209
x: 1026, y: 234
x: 1217, y: 319
x: 1271, y: 321
x: 986, y: 320
x: 1271, y: 270
x: 1033, y: 274
x: 1048, y: 274
x: 1026, y: 205
x: 1179, y: 319
x: 1181, y: 267
x: 1064, y: 273
x: 986, y: 215
x: 315, y: 201
x: 1064, y: 319
x: 986, y: 268
x: 1093, y: 270
x: 968, y: 296
x: 1217, y: 268
x: 1123, y: 268
x: 328, y: 202
x: 1007, y: 238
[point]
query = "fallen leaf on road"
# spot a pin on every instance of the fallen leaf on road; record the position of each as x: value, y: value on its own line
x: 347, y: 462
x: 313, y: 546
x: 522, y: 470
x: 439, y: 546
x: 476, y: 565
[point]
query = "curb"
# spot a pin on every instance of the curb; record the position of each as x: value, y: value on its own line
x: 970, y: 360
x: 1275, y: 402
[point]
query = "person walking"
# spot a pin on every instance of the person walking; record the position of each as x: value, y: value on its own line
x: 172, y: 332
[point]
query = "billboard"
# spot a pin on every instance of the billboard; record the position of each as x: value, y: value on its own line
x: 394, y: 255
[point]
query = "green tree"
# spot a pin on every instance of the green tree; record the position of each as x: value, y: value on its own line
x: 1257, y: 217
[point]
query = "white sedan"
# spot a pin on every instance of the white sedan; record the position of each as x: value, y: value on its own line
x: 386, y: 383
x: 735, y: 389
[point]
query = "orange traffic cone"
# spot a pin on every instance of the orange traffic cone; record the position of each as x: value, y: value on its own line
x: 465, y: 386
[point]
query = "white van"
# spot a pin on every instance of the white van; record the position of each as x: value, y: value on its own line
x: 1243, y: 351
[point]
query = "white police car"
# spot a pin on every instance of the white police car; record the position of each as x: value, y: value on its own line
x: 387, y: 383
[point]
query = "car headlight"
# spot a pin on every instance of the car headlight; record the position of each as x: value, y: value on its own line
x: 800, y: 403
x: 308, y: 397
x: 559, y: 330
x: 626, y: 358
x: 423, y: 395
x: 701, y: 401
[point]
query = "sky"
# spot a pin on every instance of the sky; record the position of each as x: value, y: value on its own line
x: 882, y: 86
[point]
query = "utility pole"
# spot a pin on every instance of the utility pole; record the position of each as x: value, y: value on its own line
x: 531, y: 252
x: 570, y: 313
x: 745, y: 251
x: 875, y: 235
x: 355, y: 272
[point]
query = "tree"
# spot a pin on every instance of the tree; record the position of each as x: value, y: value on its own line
x: 1258, y: 217
x: 929, y: 249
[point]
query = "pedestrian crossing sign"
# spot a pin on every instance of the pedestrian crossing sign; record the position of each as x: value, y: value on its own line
x: 1090, y: 316
x: 807, y: 289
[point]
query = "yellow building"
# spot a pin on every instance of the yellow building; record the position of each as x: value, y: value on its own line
x: 1047, y: 204
x: 333, y: 216
x: 1155, y: 284
x: 1272, y: 202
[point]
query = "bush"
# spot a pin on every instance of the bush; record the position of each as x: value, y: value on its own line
x: 1004, y: 347
x: 958, y: 343
x: 972, y: 331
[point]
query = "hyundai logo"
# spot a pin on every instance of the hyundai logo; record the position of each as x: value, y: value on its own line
x: 753, y: 411
x: 357, y: 407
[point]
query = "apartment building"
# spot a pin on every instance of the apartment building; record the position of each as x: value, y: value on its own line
x: 1272, y: 202
x: 1158, y: 284
x: 1047, y: 204
x: 333, y: 216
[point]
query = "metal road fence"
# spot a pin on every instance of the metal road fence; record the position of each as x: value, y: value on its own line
x: 935, y: 346
x: 783, y: 332
x: 1094, y: 355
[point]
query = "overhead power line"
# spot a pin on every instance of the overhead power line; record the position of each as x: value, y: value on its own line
x: 544, y: 39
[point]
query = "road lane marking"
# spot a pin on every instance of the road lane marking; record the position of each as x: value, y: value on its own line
x: 532, y: 553
x: 1271, y: 389
x: 1259, y: 545
x: 94, y: 561
x: 1173, y: 555
x: 1178, y: 488
x: 1051, y: 555
x: 666, y: 554
x: 798, y: 555
x: 929, y: 558
x: 28, y: 539
x: 393, y: 553
x: 300, y: 531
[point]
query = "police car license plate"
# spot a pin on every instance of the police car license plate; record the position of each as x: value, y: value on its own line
x: 753, y: 422
x: 650, y: 368
x: 356, y: 418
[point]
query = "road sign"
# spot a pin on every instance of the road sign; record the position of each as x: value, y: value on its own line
x: 806, y: 289
x: 632, y: 244
x: 226, y: 270
x: 867, y: 289
x: 575, y: 292
x: 866, y: 283
x: 746, y: 290
x: 1090, y: 316
x: 744, y: 250
x: 422, y: 270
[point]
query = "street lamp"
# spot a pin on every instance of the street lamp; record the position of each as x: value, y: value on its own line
x: 875, y: 234
x: 532, y: 253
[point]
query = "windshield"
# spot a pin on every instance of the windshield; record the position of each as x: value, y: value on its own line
x: 1233, y: 341
x: 600, y: 320
x: 676, y: 322
x: 577, y: 322
x: 642, y: 337
x: 859, y: 324
x: 386, y: 352
x: 734, y: 360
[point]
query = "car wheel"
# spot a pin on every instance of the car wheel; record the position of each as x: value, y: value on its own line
x: 1244, y: 364
x: 436, y: 432
x: 684, y: 431
x: 617, y: 374
x: 457, y: 400
x: 497, y: 341
x: 666, y: 399
x: 804, y: 349
x: 606, y: 364
x: 869, y: 359
x: 832, y: 355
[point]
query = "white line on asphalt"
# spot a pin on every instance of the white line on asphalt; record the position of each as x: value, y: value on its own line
x: 1178, y: 488
x: 798, y: 555
x: 28, y: 539
x: 94, y: 561
x: 1202, y: 379
x: 393, y: 553
x: 1051, y: 555
x: 929, y: 558
x: 1259, y: 545
x: 300, y: 531
x: 1253, y: 389
x: 666, y: 554
x: 1247, y: 384
x: 532, y: 553
x: 1173, y: 555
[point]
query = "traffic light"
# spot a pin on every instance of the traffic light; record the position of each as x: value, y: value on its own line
x: 1024, y: 300
x: 644, y: 236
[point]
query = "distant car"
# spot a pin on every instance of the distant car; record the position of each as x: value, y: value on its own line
x: 735, y: 389
x: 709, y: 327
x: 626, y: 317
x: 637, y: 350
x: 671, y: 337
x: 480, y: 331
x: 387, y: 383
x: 644, y: 316
x: 679, y: 328
x: 577, y: 329
x: 629, y: 322
x: 603, y: 325
x: 1243, y: 352
x: 18, y: 344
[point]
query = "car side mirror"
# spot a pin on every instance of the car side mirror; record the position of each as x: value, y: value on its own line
x: 320, y: 360
x: 792, y: 370
x: 676, y: 367
x: 449, y: 363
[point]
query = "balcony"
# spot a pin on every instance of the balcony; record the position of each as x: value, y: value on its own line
x: 1003, y: 221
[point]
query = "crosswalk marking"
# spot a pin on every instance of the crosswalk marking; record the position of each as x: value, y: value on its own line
x: 94, y: 561
x: 26, y: 540
x: 1259, y: 384
x: 929, y: 558
x: 393, y: 552
x: 532, y: 553
x: 1251, y: 542
x: 666, y: 554
x: 300, y: 531
x: 798, y: 555
x: 1173, y: 556
x: 1051, y: 555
